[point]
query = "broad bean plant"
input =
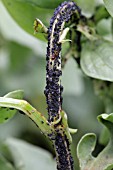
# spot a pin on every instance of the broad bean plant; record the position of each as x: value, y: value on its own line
x: 73, y: 24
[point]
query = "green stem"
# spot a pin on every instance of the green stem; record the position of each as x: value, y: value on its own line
x: 30, y: 111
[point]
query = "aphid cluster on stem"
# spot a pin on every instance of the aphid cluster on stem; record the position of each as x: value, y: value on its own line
x: 53, y: 90
x: 65, y: 160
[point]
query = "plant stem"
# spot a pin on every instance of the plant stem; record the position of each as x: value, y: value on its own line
x: 53, y: 90
x: 64, y: 158
x: 30, y: 111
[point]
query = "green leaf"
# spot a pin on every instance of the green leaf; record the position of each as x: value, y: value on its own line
x: 19, y: 55
x: 84, y: 150
x: 109, y: 6
x: 87, y: 6
x: 51, y: 4
x: 17, y: 94
x: 109, y: 167
x: 97, y: 59
x: 27, y: 156
x: 104, y: 160
x: 7, y: 113
x: 106, y: 156
x: 4, y: 164
x: 101, y: 13
x: 104, y: 28
x: 25, y: 13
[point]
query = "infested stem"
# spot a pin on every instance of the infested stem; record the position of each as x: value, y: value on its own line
x: 56, y: 127
x: 63, y: 155
x: 67, y: 11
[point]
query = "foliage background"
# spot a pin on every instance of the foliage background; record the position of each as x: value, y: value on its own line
x: 22, y: 66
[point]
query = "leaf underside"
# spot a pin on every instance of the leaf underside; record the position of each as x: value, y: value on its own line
x: 104, y: 160
x: 28, y: 157
x: 97, y: 59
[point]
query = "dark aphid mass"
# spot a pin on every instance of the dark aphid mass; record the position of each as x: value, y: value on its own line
x: 63, y: 153
x: 53, y: 90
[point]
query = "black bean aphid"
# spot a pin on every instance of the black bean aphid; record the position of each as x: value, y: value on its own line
x: 53, y: 90
x: 61, y: 15
x: 63, y: 153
